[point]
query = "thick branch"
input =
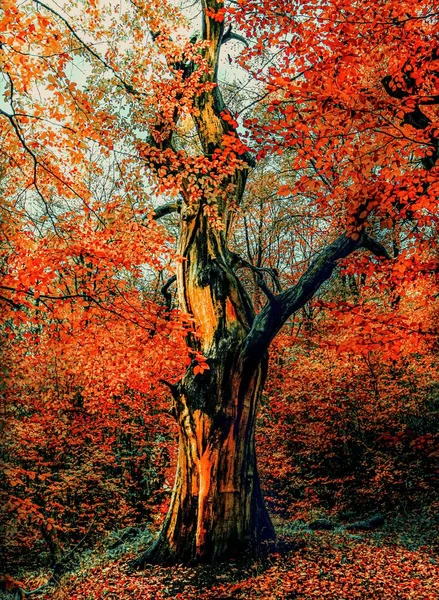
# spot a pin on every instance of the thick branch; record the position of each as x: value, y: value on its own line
x: 264, y: 287
x: 231, y: 35
x: 275, y: 313
x: 373, y: 246
x: 429, y: 100
x: 166, y: 209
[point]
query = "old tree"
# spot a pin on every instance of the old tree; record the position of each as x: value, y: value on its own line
x: 341, y: 101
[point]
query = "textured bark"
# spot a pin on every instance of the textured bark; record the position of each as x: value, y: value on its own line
x: 217, y: 506
x: 280, y: 307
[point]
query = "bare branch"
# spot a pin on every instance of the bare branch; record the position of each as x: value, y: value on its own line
x: 174, y: 388
x: 127, y: 86
x: 375, y: 247
x: 277, y: 310
x: 167, y: 209
x: 239, y: 262
x: 165, y: 291
x: 231, y: 35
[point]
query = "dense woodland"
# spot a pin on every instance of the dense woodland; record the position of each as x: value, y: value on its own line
x: 219, y: 299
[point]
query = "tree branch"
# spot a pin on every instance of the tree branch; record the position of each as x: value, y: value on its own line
x: 373, y: 246
x: 277, y: 310
x: 238, y: 262
x: 166, y: 209
x: 127, y: 86
x: 165, y: 291
x: 231, y: 35
x: 415, y: 118
x: 11, y: 302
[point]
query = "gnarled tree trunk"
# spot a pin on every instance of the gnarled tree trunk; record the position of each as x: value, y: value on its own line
x: 217, y: 506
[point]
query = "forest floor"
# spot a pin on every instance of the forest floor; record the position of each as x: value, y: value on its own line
x: 398, y: 561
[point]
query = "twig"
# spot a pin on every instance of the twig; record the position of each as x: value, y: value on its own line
x: 128, y: 87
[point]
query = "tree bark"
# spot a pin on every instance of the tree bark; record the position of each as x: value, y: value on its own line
x: 217, y: 506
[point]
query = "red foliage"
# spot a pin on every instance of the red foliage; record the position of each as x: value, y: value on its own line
x: 347, y: 116
x: 85, y: 346
x: 350, y: 413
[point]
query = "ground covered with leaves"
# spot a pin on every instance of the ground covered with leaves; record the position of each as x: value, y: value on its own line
x: 398, y: 561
